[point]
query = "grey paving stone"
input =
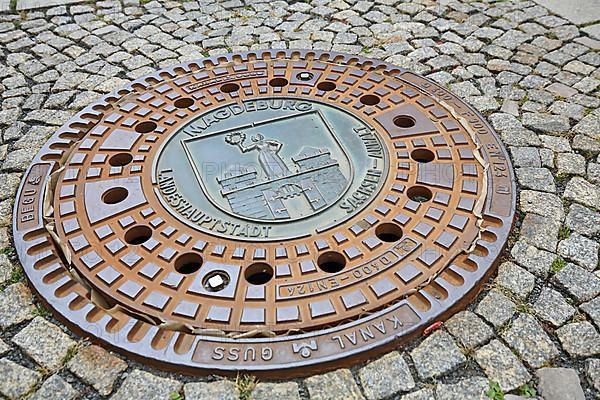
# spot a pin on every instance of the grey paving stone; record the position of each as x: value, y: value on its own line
x: 559, y: 384
x: 580, y: 283
x: 9, y: 116
x: 541, y: 97
x: 111, y: 84
x: 6, y: 269
x: 581, y: 191
x: 540, y: 231
x: 442, y: 77
x: 52, y: 117
x: 34, y: 136
x: 16, y: 379
x: 97, y: 367
x: 18, y: 160
x: 560, y: 89
x: 539, y: 179
x: 547, y: 157
x: 593, y: 172
x: 16, y: 305
x: 552, y: 307
x: 583, y: 220
x: 586, y: 143
x: 469, y: 388
x: 221, y: 390
x: 423, y: 394
x: 276, y: 391
x: 512, y: 131
x: 529, y: 340
x: 144, y: 385
x: 581, y: 250
x: 536, y: 82
x: 515, y: 279
x: 533, y: 259
x: 511, y: 107
x: 436, y: 355
x: 333, y: 385
x: 532, y: 106
x: 4, y: 243
x: 579, y: 339
x: 5, y: 212
x: 511, y: 39
x: 487, y: 33
x: 578, y: 13
x: 496, y: 308
x: 587, y: 85
x: 68, y: 81
x: 55, y: 388
x: 592, y: 308
x: 9, y: 184
x: 469, y: 329
x: 592, y: 370
x: 483, y: 104
x: 558, y: 57
x: 592, y: 30
x: 4, y: 348
x: 45, y: 342
x: 502, y: 366
x: 508, y: 77
x: 375, y: 377
x: 589, y: 125
x: 578, y: 67
x: 546, y: 123
x: 464, y: 89
x: 555, y: 143
x: 441, y: 62
x: 526, y: 157
x: 570, y: 164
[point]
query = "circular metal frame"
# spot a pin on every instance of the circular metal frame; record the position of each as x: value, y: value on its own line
x: 200, y: 302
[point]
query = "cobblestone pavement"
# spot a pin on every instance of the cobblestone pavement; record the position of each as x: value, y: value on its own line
x: 532, y: 331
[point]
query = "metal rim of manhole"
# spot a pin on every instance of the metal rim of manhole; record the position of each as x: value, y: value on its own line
x: 278, y: 212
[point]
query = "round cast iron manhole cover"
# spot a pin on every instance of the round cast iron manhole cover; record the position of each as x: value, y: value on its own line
x: 283, y: 212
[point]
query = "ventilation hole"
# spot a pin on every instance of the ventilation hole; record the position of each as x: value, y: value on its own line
x: 258, y: 273
x: 304, y: 76
x: 419, y: 194
x: 138, y: 234
x: 120, y: 160
x: 184, y: 102
x: 404, y: 121
x: 326, y: 86
x: 216, y: 281
x: 388, y: 232
x: 369, y: 99
x: 145, y: 127
x: 422, y: 155
x: 115, y: 195
x: 230, y: 87
x: 331, y: 262
x: 188, y: 263
x: 278, y: 82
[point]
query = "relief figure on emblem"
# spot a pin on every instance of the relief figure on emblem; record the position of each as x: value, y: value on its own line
x: 280, y: 191
x: 268, y: 153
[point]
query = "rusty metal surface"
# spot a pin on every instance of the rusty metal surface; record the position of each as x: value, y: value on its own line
x: 279, y: 212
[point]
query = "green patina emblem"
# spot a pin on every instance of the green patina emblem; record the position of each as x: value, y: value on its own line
x: 270, y: 169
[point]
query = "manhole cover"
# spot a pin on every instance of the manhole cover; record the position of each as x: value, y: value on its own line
x: 281, y: 211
